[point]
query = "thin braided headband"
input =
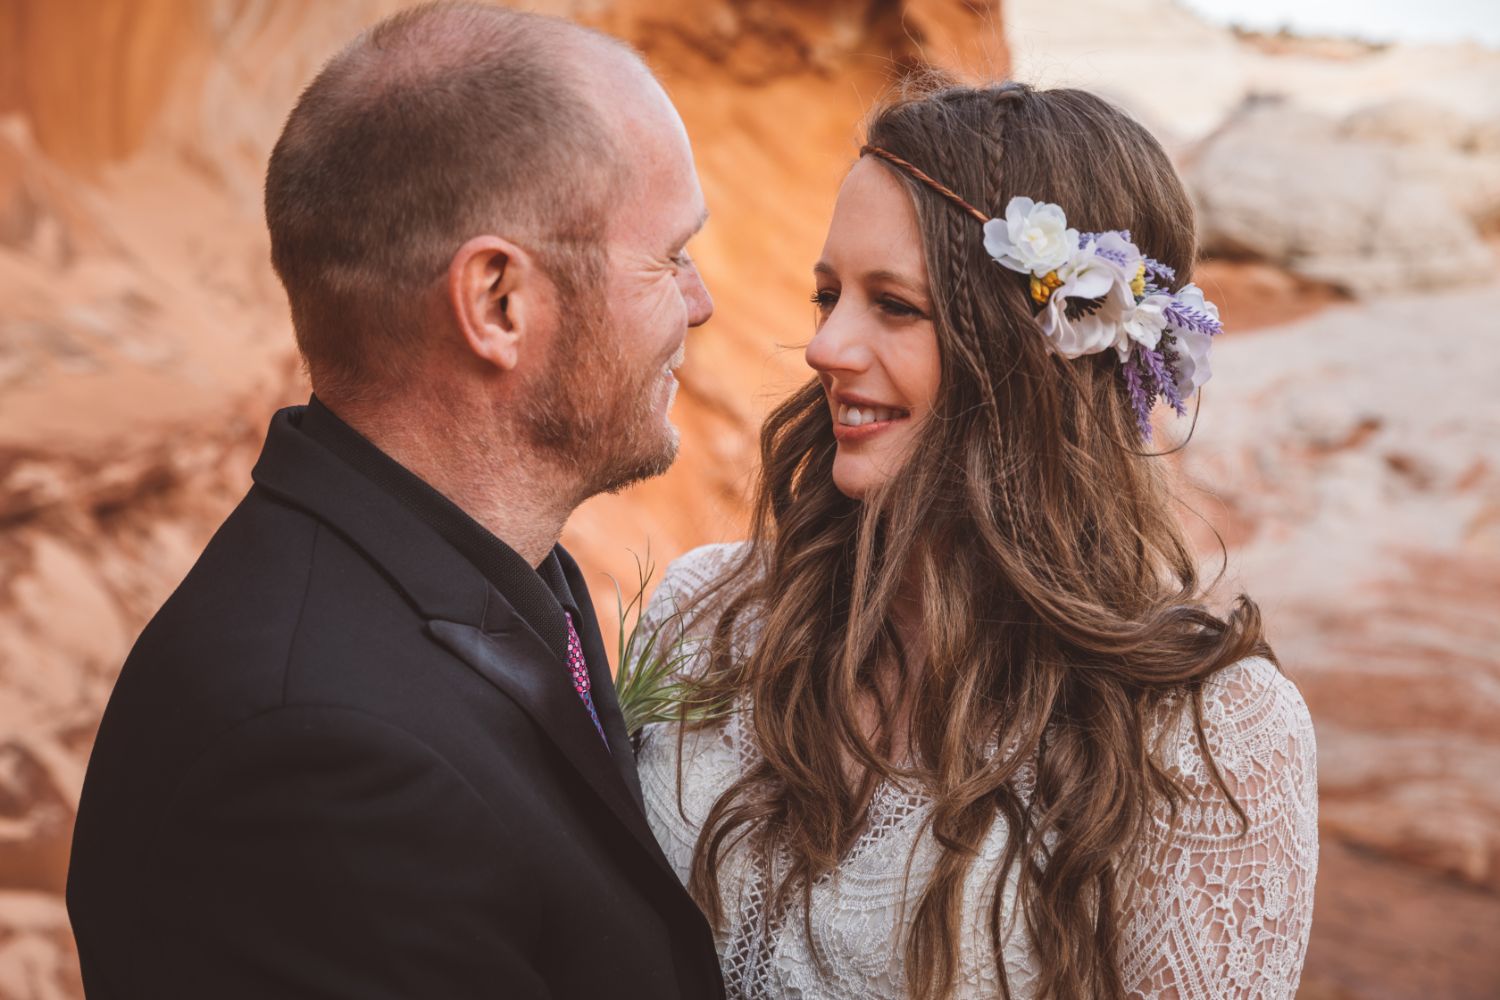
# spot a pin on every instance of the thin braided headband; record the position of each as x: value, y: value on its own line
x: 1096, y: 291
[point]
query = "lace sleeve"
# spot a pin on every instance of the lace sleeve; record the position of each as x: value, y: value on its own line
x: 1221, y: 914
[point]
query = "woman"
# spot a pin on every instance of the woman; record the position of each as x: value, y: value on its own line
x: 984, y: 738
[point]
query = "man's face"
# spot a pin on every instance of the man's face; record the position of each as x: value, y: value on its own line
x: 603, y: 401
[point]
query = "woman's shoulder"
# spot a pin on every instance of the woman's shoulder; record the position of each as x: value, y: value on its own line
x: 1256, y: 725
x: 696, y: 568
x: 684, y: 579
x: 692, y: 571
x: 1254, y: 694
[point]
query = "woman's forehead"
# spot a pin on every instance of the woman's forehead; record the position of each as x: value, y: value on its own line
x: 874, y: 227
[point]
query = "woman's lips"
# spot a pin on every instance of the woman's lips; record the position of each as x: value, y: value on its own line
x: 859, y: 423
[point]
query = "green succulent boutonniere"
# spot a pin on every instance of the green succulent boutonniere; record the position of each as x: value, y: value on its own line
x: 651, y: 680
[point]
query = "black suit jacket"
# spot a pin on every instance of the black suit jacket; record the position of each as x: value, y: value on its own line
x: 339, y: 763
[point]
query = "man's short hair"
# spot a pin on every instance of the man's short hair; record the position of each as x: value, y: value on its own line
x: 441, y: 123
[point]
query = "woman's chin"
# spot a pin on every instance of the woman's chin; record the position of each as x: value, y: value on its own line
x: 855, y: 478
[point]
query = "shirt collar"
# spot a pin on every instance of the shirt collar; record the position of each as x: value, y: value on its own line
x: 539, y: 594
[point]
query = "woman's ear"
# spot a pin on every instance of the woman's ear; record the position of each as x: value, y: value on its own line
x: 497, y: 297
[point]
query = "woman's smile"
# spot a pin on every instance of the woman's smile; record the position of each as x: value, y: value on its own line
x: 860, y: 420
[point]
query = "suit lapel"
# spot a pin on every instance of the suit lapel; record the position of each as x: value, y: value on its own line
x: 508, y: 654
x: 465, y: 613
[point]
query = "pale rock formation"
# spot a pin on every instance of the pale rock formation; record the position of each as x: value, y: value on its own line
x: 1460, y: 155
x: 1352, y: 462
x: 36, y: 960
x: 1187, y: 75
x: 1291, y: 187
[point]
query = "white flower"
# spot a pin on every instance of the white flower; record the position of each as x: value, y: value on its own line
x: 1086, y: 276
x: 1143, y: 324
x: 1034, y: 237
x: 1120, y: 252
x: 1192, y: 346
x: 1191, y: 296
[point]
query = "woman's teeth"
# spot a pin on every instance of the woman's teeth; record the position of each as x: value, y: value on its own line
x: 858, y: 416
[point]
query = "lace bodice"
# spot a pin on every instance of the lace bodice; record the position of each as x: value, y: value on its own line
x: 1224, y: 917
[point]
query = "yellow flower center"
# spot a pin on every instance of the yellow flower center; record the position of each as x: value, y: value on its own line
x: 1138, y: 283
x: 1042, y: 288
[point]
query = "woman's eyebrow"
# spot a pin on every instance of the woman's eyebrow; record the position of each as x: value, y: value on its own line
x: 823, y: 269
x: 892, y: 278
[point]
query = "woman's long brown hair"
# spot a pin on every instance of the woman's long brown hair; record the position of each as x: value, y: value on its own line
x: 1060, y: 606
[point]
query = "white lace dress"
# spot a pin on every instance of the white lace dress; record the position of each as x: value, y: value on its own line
x: 1226, y: 917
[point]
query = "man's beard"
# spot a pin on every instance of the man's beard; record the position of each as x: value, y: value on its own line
x: 590, y: 409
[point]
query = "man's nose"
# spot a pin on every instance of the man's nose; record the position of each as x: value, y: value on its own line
x: 700, y: 304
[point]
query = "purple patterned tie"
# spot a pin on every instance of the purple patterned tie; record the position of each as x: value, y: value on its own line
x: 580, y: 670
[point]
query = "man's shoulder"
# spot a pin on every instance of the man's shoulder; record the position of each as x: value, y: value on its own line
x: 273, y: 581
x: 280, y: 618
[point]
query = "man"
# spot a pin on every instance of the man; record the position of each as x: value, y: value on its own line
x: 370, y: 747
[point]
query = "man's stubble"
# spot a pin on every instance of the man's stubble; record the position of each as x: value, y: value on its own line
x: 591, y: 409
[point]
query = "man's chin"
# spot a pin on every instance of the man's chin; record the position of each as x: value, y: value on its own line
x: 645, y: 466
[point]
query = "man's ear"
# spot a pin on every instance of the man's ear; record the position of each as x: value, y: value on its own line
x: 497, y: 295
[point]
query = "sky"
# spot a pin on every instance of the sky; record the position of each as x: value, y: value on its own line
x: 1372, y: 20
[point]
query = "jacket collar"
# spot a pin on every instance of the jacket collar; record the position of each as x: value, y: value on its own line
x: 539, y: 594
x: 465, y: 613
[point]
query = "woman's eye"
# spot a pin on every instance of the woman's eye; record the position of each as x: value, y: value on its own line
x: 825, y: 299
x: 897, y: 308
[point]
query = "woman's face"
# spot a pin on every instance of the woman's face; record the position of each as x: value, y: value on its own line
x: 875, y: 349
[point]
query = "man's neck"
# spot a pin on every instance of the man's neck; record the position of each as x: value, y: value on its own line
x: 518, y: 498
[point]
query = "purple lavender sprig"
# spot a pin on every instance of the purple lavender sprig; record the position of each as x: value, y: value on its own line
x: 1182, y: 315
x: 1140, y: 400
x: 1163, y: 379
x: 1116, y: 256
x: 1159, y: 273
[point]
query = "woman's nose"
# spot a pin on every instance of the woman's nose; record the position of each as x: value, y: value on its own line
x: 838, y: 344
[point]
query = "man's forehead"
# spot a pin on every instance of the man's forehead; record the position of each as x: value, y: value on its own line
x: 658, y: 161
x: 660, y: 200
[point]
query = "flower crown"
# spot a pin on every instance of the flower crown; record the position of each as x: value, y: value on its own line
x: 1096, y: 291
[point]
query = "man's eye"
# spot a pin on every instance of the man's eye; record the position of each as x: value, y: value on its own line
x: 682, y: 260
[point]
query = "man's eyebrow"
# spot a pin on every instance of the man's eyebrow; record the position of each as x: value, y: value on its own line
x: 697, y: 228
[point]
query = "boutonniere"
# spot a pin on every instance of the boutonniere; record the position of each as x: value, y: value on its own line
x: 652, y: 679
